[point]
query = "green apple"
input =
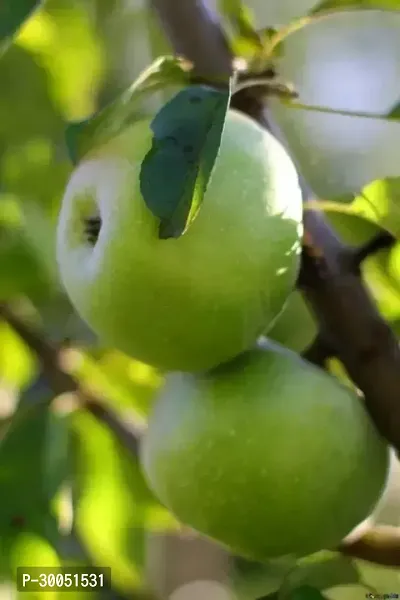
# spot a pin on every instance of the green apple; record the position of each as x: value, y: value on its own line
x: 192, y: 302
x: 266, y: 454
x: 295, y: 327
x: 24, y: 548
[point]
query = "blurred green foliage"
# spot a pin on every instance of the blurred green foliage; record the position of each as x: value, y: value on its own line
x: 12, y: 15
x: 69, y: 492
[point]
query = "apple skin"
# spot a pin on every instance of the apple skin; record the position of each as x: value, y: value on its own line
x: 192, y: 302
x: 268, y: 454
x: 295, y: 327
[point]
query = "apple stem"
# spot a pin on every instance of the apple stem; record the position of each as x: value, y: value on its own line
x: 381, y: 241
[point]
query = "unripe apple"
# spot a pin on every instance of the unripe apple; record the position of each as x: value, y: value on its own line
x: 192, y: 302
x: 267, y: 454
x: 295, y: 327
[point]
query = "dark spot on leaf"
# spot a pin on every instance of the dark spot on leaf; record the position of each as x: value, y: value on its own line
x: 171, y: 138
x: 195, y: 99
x: 188, y: 148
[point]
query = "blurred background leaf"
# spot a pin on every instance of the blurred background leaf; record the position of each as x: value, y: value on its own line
x: 114, y: 508
x: 12, y: 15
x: 379, y: 202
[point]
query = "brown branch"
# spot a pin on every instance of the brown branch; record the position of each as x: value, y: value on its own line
x: 128, y: 434
x: 186, y: 29
x: 61, y: 382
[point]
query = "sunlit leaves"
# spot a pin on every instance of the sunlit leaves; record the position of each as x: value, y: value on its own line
x: 75, y: 69
x: 126, y: 108
x: 17, y: 364
x: 381, y: 271
x: 244, y: 39
x: 379, y: 202
x: 114, y: 507
x: 127, y: 385
x: 13, y: 13
x: 29, y: 477
x: 20, y: 268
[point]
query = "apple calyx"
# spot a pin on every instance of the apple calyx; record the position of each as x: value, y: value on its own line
x: 92, y: 229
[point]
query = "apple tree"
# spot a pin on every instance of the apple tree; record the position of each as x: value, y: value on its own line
x: 200, y: 298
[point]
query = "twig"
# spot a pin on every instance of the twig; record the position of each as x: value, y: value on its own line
x: 61, y: 382
x: 128, y: 434
x: 382, y: 241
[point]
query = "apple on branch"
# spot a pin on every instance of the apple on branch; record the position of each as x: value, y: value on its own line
x: 192, y: 302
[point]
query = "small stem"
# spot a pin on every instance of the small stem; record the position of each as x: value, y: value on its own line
x: 382, y: 241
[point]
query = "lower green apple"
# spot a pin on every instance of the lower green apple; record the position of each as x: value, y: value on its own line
x: 267, y: 454
x: 295, y: 327
x: 192, y: 302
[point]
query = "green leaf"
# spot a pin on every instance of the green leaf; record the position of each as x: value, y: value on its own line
x: 306, y: 592
x: 354, y: 4
x: 394, y: 112
x: 113, y: 505
x: 252, y: 579
x: 23, y: 265
x: 127, y: 384
x: 241, y: 17
x: 244, y: 39
x: 33, y: 463
x: 267, y: 35
x: 378, y: 202
x: 176, y: 170
x: 35, y: 548
x: 13, y: 13
x: 324, y: 570
x: 21, y: 121
x: 381, y: 272
x: 81, y: 136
